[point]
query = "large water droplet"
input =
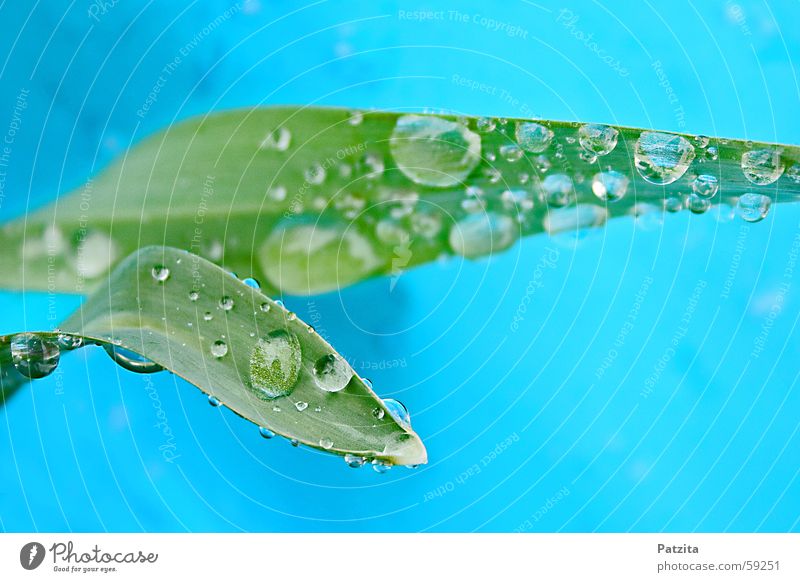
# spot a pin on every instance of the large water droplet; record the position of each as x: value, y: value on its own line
x: 662, y: 158
x: 331, y: 373
x: 598, y: 139
x: 434, y: 151
x: 477, y: 235
x: 130, y: 360
x: 762, y: 166
x: 34, y: 356
x: 610, y: 186
x: 753, y: 207
x: 275, y: 365
x: 533, y: 137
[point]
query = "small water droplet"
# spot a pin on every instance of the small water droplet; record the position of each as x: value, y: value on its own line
x: 511, y: 152
x: 278, y: 140
x: 194, y: 295
x: 213, y: 401
x: 160, y: 273
x: 557, y: 190
x: 356, y: 118
x: 252, y: 283
x: 486, y: 125
x: 598, y: 139
x: 275, y: 364
x: 477, y: 235
x: 277, y: 193
x: 434, y: 151
x: 753, y: 207
x: 354, y: 461
x: 326, y: 443
x: 610, y: 186
x: 279, y: 303
x: 294, y: 442
x: 698, y: 204
x: 673, y: 204
x: 219, y: 348
x: 367, y: 382
x: 533, y: 137
x: 265, y: 307
x: 378, y: 413
x: 226, y: 303
x: 266, y: 433
x: 372, y: 165
x: 315, y: 174
x: 762, y: 166
x: 380, y: 466
x: 705, y: 185
x: 291, y: 316
x: 793, y: 173
x: 301, y: 406
x: 398, y: 411
x: 131, y: 361
x: 207, y: 316
x: 34, y: 356
x: 574, y: 218
x: 701, y: 141
x: 331, y: 373
x: 662, y: 158
x: 712, y: 153
x: 67, y: 342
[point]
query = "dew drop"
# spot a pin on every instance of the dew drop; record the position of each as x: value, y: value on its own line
x: 326, y: 443
x: 194, y: 295
x: 278, y: 140
x: 574, y: 218
x: 533, y: 137
x: 301, y: 406
x: 130, y: 360
x: 67, y: 342
x: 331, y: 373
x: 252, y: 283
x: 315, y: 174
x: 33, y: 356
x: 354, y: 461
x: 697, y: 204
x: 662, y: 158
x: 610, y: 186
x: 557, y: 190
x: 598, y: 139
x: 378, y: 413
x: 266, y: 433
x: 275, y: 365
x: 277, y: 193
x: 486, y: 125
x: 705, y: 185
x: 434, y: 151
x: 207, y: 316
x: 380, y: 466
x: 753, y: 207
x: 762, y: 166
x: 477, y: 235
x: 213, y: 401
x: 160, y: 273
x: 793, y: 173
x: 398, y: 411
x: 265, y: 307
x: 226, y: 303
x: 511, y: 152
x: 219, y: 348
x: 291, y: 316
x: 673, y: 204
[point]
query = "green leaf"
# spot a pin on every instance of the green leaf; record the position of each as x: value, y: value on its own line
x: 312, y: 199
x: 235, y: 344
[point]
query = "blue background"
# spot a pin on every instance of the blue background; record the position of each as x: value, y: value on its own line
x: 713, y: 447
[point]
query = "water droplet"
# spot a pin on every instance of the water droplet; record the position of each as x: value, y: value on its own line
x: 279, y: 303
x: 266, y: 433
x: 226, y: 303
x: 67, y: 342
x: 294, y: 442
x: 486, y: 125
x: 673, y: 204
x: 701, y: 141
x: 380, y: 466
x: 434, y: 151
x: 511, y: 152
x: 207, y: 316
x: 315, y: 174
x: 610, y: 186
x: 793, y: 173
x: 331, y: 373
x: 219, y: 348
x: 326, y: 443
x: 575, y: 218
x: 762, y: 166
x: 598, y: 139
x: 753, y: 207
x: 516, y: 199
x: 662, y: 158
x: 194, y: 295
x: 276, y: 408
x: 398, y: 411
x: 533, y: 137
x: 698, y: 204
x: 213, y: 401
x: 354, y: 461
x: 277, y: 193
x: 160, y: 273
x: 372, y: 166
x: 477, y: 235
x: 712, y: 154
x: 275, y: 364
x: 378, y: 413
x: 705, y: 185
x: 130, y: 360
x: 291, y: 316
x: 367, y: 382
x: 265, y: 307
x: 278, y: 140
x: 34, y: 356
x: 588, y: 157
x: 301, y: 406
x: 557, y: 190
x: 356, y: 118
x: 252, y: 283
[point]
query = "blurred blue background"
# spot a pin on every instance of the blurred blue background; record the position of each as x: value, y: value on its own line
x: 651, y: 384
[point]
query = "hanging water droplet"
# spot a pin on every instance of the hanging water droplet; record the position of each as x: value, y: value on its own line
x: 194, y: 295
x: 705, y: 185
x: 131, y: 361
x: 160, y: 273
x: 315, y: 174
x: 557, y: 190
x: 434, y: 151
x: 477, y: 235
x: 380, y: 466
x: 252, y: 283
x: 662, y: 158
x: 762, y: 166
x: 213, y: 401
x: 266, y: 433
x: 673, y: 204
x: 753, y: 207
x: 294, y: 442
x: 698, y: 204
x: 378, y: 413
x: 301, y: 406
x: 598, y: 139
x: 610, y: 186
x: 533, y: 137
x: 34, y: 356
x: 226, y: 303
x: 219, y: 348
x: 331, y: 373
x: 326, y: 443
x: 278, y: 140
x: 486, y: 124
x: 354, y: 461
x: 67, y: 342
x: 398, y: 411
x: 275, y: 365
x: 511, y: 152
